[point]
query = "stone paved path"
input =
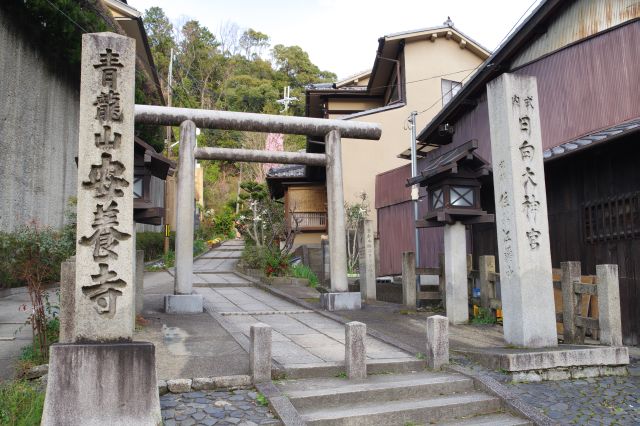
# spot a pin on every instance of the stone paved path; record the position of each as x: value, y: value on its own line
x: 299, y: 336
x: 220, y: 408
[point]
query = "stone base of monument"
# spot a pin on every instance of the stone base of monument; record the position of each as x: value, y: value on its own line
x: 344, y: 301
x: 97, y: 384
x: 183, y: 304
x: 559, y: 363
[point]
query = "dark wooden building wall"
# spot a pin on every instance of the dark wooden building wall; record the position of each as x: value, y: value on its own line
x: 608, y: 171
x: 583, y: 88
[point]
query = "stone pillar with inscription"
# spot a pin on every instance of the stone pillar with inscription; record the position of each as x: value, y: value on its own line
x: 521, y: 212
x: 367, y: 261
x: 101, y: 377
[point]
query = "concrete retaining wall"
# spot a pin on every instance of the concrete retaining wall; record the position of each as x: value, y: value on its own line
x: 38, y: 135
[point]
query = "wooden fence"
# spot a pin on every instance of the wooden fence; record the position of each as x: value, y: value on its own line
x: 585, y: 304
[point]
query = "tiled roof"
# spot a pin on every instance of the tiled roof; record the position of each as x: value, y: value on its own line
x: 291, y: 170
x: 593, y: 138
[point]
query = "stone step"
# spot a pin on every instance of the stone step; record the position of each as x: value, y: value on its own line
x: 304, y: 394
x: 392, y: 413
x: 498, y: 419
x: 374, y: 366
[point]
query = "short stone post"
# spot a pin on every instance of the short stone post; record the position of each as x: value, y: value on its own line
x: 409, y: 279
x: 139, y: 281
x: 260, y: 352
x: 437, y: 341
x: 183, y: 301
x: 455, y: 267
x: 521, y: 211
x: 67, y: 300
x: 609, y: 305
x: 355, y: 352
x: 367, y: 261
x: 571, y: 272
x: 487, y: 287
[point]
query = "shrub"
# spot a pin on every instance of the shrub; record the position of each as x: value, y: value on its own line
x: 199, y: 246
x: 276, y: 263
x: 153, y: 244
x: 32, y: 249
x: 20, y: 404
x: 253, y: 257
x: 301, y: 270
x: 221, y: 224
x: 484, y: 316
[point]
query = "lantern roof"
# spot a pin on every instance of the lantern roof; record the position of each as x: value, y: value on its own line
x: 463, y: 158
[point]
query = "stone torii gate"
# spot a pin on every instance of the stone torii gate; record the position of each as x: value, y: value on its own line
x: 183, y: 301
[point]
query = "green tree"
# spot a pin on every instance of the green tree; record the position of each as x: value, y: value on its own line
x: 160, y: 33
x: 253, y: 43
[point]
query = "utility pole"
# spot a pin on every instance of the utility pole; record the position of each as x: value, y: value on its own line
x: 167, y: 227
x: 415, y: 195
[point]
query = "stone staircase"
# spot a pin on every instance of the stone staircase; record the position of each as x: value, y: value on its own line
x: 396, y: 399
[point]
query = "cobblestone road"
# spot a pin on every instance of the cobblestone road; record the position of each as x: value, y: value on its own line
x: 593, y: 401
x: 220, y: 408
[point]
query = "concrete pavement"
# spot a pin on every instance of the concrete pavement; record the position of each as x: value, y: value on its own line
x: 14, y: 332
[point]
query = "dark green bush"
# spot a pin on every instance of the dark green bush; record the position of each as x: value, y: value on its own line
x: 153, y: 244
x: 253, y: 257
x: 217, y: 225
x: 33, y: 248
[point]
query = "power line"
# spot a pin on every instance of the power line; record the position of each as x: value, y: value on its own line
x: 67, y: 16
x: 499, y: 44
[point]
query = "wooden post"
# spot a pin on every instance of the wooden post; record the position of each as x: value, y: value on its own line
x: 571, y: 272
x: 409, y: 279
x: 609, y: 305
x: 442, y: 280
x: 487, y: 287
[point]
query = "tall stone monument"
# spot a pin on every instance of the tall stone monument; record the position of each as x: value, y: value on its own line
x: 101, y: 377
x: 521, y: 212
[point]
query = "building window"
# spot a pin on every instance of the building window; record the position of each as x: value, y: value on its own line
x: 612, y: 218
x: 138, y: 187
x: 449, y: 90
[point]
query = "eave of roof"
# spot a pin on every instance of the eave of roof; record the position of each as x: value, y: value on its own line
x: 592, y: 139
x: 161, y: 166
x: 353, y: 78
x: 129, y: 13
x: 389, y: 45
x: 493, y: 65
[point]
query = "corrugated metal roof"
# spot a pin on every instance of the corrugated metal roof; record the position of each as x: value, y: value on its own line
x: 597, y: 137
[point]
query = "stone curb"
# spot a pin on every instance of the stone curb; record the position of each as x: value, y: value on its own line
x: 510, y: 401
x: 373, y: 333
x: 280, y: 404
x: 204, y: 383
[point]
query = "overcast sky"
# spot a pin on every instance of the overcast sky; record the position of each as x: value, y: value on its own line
x: 342, y: 35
